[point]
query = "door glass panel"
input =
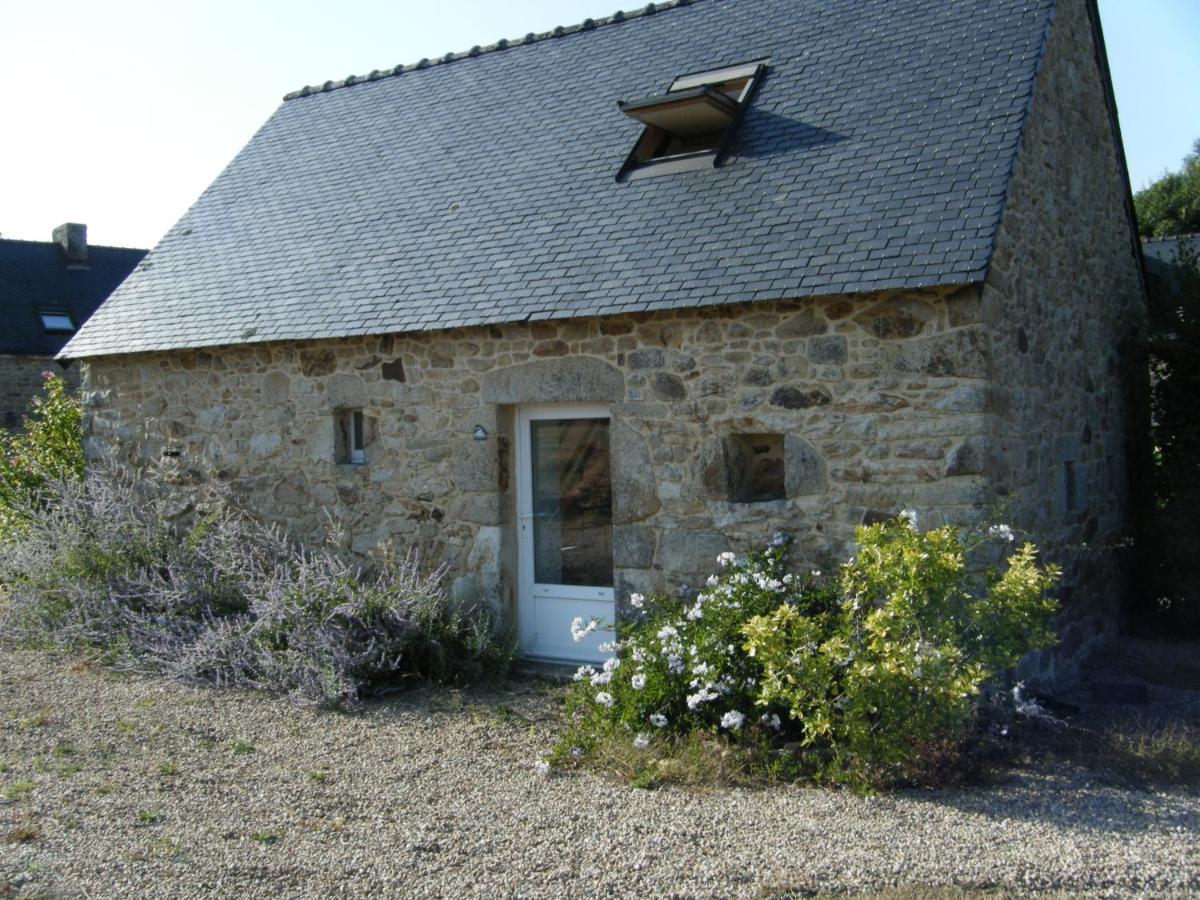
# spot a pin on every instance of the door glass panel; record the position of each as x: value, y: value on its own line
x: 572, y: 502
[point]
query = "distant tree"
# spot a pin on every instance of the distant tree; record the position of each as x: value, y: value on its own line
x: 1171, y: 535
x: 1172, y: 204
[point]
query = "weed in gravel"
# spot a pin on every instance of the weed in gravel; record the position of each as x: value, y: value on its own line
x: 39, y: 719
x: 64, y: 749
x: 318, y: 775
x: 266, y: 837
x: 166, y: 846
x: 104, y: 789
x: 22, y: 834
x: 506, y: 715
x: 1137, y: 751
x: 144, y: 703
x: 1157, y: 753
x: 168, y: 769
x: 125, y: 727
x: 67, y: 769
x: 699, y: 760
x: 237, y: 748
x: 18, y: 790
x: 148, y: 816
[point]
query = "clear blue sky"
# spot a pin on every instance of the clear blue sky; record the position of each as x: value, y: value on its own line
x: 120, y: 113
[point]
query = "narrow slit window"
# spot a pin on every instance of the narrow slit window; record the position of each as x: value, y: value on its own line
x: 357, y: 454
x: 350, y: 437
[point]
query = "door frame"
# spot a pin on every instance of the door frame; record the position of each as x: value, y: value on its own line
x: 527, y: 589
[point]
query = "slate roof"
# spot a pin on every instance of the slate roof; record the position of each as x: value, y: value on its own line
x: 1161, y: 253
x: 481, y: 189
x: 35, y: 276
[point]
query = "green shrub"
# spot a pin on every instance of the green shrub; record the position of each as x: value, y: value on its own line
x: 898, y: 665
x: 49, y: 448
x: 1168, y: 527
x: 854, y: 676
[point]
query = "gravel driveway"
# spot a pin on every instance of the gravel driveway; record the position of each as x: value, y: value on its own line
x: 121, y: 786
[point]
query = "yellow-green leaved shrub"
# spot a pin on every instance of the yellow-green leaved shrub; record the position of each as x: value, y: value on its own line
x: 49, y: 448
x: 897, y: 666
x: 849, y: 678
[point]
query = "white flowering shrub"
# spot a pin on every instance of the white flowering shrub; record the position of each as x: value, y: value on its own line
x: 684, y: 669
x: 849, y: 678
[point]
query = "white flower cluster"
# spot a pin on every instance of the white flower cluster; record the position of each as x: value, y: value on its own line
x: 580, y: 630
x: 733, y: 720
x: 541, y: 767
x: 911, y: 516
x: 1003, y: 532
x: 683, y: 650
x: 1027, y: 706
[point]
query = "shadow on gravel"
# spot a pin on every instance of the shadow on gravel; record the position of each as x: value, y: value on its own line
x: 1072, y: 800
x: 1121, y: 755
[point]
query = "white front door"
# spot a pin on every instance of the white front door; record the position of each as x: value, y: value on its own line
x: 564, y: 506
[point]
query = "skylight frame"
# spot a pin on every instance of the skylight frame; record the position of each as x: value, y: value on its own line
x: 645, y: 159
x: 56, y: 321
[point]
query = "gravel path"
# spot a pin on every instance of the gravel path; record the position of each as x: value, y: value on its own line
x: 119, y: 786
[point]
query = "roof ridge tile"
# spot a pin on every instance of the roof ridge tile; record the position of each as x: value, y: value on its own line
x: 558, y: 31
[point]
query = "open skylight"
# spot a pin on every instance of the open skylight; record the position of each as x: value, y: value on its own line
x: 692, y: 124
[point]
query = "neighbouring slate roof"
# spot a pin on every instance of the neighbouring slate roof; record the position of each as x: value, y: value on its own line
x: 35, y: 276
x: 1161, y: 253
x: 481, y: 189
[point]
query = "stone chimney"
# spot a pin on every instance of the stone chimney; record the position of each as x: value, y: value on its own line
x: 72, y: 240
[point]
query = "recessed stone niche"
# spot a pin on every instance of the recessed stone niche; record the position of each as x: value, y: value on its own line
x: 746, y: 468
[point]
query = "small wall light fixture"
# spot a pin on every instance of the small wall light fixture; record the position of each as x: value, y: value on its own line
x: 480, y: 433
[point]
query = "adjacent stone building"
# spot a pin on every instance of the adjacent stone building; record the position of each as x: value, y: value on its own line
x: 843, y: 260
x: 47, y: 290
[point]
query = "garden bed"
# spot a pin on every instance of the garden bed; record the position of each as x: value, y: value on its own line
x: 131, y: 786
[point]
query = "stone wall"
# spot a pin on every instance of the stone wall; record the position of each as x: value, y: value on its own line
x: 21, y: 379
x: 881, y: 400
x: 1024, y: 390
x: 1063, y: 303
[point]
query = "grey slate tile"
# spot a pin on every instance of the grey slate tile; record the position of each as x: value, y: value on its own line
x: 876, y: 155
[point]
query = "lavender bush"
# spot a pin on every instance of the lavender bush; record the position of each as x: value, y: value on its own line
x: 229, y: 601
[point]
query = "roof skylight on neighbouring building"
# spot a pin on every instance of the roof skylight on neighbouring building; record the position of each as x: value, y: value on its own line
x: 692, y: 124
x: 57, y: 322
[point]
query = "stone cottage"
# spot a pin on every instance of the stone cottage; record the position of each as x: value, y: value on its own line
x: 47, y: 290
x: 578, y: 311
